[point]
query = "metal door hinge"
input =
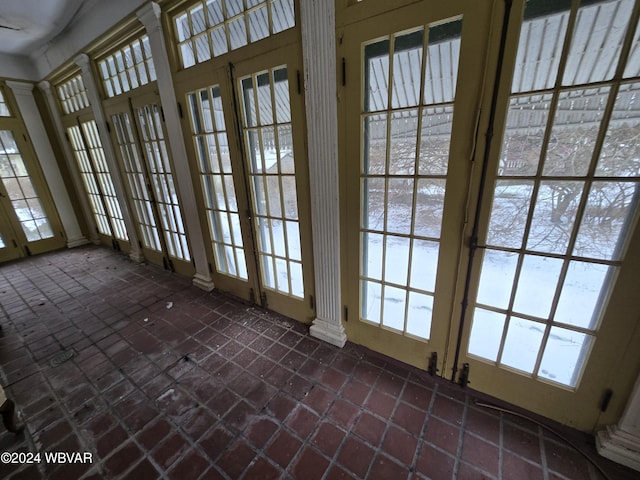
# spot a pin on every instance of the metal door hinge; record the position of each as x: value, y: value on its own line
x: 463, y: 379
x: 433, y: 364
x: 263, y: 299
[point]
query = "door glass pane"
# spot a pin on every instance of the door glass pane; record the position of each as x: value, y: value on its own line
x: 404, y: 167
x: 135, y: 173
x: 272, y: 179
x: 597, y: 41
x: 212, y: 151
x: 540, y: 46
x: 154, y: 148
x: 522, y: 344
x: 574, y: 132
x: 605, y: 223
x: 511, y: 200
x: 585, y: 215
x: 580, y: 300
x: 537, y: 285
x: 564, y: 355
x: 486, y: 333
x: 19, y: 187
x: 526, y: 121
x: 620, y: 155
x: 554, y: 216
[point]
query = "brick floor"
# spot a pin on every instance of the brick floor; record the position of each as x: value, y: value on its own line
x: 211, y: 388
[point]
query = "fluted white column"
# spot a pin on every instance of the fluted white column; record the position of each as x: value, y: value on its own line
x: 23, y: 93
x: 621, y: 442
x: 84, y: 62
x: 54, y: 113
x: 149, y: 16
x: 318, y: 47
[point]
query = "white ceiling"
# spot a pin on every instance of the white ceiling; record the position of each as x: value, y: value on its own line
x: 26, y: 25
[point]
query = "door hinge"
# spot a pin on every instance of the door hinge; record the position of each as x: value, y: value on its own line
x: 299, y: 82
x: 263, y: 299
x: 606, y: 398
x: 346, y: 313
x: 312, y: 303
x: 344, y: 72
x: 433, y: 364
x: 463, y: 379
x: 180, y: 109
x: 249, y: 214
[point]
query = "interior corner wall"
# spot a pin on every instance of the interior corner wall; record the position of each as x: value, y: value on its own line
x: 17, y: 68
x: 93, y: 21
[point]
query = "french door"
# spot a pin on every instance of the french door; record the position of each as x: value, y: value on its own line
x: 138, y: 133
x: 29, y: 222
x: 84, y: 140
x: 542, y: 313
x: 407, y: 176
x: 246, y: 133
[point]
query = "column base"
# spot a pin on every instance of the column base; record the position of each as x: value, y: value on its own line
x: 137, y: 256
x: 203, y: 282
x: 329, y: 332
x: 76, y: 242
x: 619, y: 446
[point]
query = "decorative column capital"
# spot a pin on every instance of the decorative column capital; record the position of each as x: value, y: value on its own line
x: 149, y: 16
x: 20, y: 88
x: 83, y: 61
x: 45, y: 86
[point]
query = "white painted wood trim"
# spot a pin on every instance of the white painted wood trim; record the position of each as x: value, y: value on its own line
x: 149, y: 16
x: 319, y: 55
